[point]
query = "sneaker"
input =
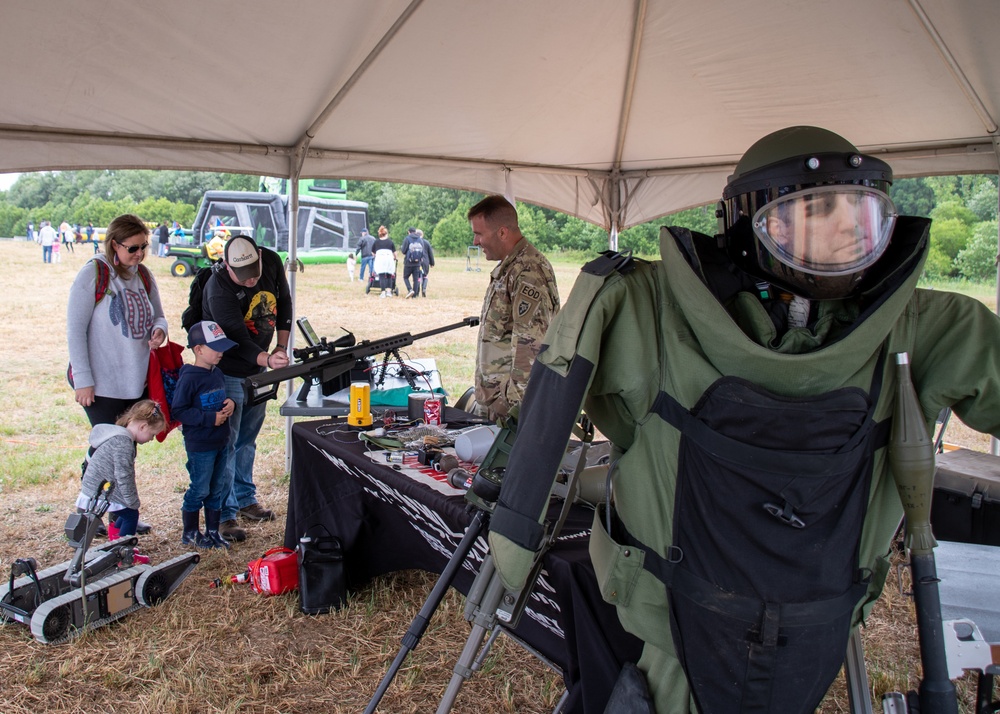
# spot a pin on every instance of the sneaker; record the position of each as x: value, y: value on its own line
x: 382, y: 294
x: 408, y: 295
x: 142, y: 528
x: 232, y: 532
x: 256, y: 512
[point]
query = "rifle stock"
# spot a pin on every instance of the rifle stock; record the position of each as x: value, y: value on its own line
x: 261, y: 387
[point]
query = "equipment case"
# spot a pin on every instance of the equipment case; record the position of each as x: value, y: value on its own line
x: 966, y: 502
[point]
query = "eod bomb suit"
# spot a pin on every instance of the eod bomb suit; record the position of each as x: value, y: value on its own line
x: 752, y: 506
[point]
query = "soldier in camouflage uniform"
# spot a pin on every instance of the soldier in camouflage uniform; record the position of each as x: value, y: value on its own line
x: 521, y: 300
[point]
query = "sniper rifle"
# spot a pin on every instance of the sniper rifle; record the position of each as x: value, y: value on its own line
x: 327, y: 367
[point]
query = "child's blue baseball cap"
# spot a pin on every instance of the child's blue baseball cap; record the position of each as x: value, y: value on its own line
x: 210, y: 334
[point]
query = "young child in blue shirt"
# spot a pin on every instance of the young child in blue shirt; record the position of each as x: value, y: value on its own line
x: 200, y: 405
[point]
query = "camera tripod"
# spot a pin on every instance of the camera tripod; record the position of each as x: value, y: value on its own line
x: 489, y: 606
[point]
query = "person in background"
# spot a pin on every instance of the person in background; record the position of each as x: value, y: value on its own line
x: 66, y: 231
x: 352, y: 265
x: 31, y: 231
x: 251, y: 301
x: 201, y: 406
x: 177, y: 233
x: 384, y: 264
x: 215, y: 248
x: 413, y: 260
x: 163, y: 239
x: 364, y: 251
x: 425, y: 267
x: 47, y: 237
x: 112, y: 459
x: 92, y: 235
x: 114, y: 317
x: 520, y: 301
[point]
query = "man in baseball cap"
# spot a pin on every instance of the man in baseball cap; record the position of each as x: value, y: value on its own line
x: 251, y: 302
x: 242, y: 257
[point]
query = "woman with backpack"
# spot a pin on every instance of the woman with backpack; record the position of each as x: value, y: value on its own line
x: 114, y: 318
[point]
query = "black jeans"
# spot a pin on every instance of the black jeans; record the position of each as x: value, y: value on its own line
x: 106, y: 410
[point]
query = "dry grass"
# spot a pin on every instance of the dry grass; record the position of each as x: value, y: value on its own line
x: 228, y: 650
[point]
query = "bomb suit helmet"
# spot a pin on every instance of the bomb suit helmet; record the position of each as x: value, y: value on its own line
x: 807, y: 212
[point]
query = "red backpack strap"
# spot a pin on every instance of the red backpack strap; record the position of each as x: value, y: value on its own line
x: 102, y: 281
x: 146, y: 277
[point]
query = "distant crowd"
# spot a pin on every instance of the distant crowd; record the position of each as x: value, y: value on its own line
x: 68, y: 235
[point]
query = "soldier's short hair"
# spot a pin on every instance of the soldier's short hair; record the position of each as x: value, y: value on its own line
x: 496, y: 210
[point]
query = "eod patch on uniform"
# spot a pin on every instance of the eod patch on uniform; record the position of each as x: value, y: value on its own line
x: 528, y: 299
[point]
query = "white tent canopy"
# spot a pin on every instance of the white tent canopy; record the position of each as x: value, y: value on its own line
x: 614, y: 111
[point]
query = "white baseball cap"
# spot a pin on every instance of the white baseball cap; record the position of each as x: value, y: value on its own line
x: 243, y: 257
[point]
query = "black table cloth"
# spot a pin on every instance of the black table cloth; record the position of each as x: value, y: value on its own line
x: 388, y: 521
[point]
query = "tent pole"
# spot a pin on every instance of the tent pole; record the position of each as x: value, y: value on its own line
x: 994, y: 442
x: 292, y: 268
x: 614, y: 204
x: 508, y: 186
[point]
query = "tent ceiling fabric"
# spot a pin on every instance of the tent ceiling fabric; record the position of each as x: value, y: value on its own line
x: 474, y: 94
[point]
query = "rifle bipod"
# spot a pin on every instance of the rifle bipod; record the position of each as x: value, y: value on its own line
x: 419, y: 625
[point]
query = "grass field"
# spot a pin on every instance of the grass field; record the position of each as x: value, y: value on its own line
x: 229, y: 650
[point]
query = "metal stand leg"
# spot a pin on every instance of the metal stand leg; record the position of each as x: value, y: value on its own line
x: 858, y: 695
x: 419, y: 625
x: 480, y: 610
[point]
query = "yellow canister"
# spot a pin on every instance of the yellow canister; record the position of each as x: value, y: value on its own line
x: 360, y: 414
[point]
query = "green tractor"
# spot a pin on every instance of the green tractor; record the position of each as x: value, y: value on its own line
x: 188, y: 259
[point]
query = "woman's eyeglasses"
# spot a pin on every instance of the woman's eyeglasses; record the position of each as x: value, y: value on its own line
x: 132, y: 249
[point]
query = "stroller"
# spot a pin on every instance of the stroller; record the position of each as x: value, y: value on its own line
x: 373, y: 283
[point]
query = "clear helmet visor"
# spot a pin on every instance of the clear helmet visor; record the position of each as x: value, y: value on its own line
x: 827, y: 230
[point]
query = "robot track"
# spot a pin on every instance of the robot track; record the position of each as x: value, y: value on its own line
x: 110, y: 598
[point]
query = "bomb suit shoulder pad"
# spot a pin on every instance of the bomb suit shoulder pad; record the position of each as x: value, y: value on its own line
x: 563, y: 335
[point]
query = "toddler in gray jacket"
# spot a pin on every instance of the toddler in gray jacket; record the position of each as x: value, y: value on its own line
x: 113, y: 461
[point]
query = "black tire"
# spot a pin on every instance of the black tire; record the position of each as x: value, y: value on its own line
x: 180, y: 269
x: 57, y: 624
x: 155, y: 590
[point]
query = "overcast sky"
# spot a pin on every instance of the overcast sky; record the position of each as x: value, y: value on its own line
x: 7, y: 180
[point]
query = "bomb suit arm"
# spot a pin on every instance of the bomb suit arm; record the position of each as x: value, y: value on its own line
x: 564, y: 377
x: 551, y: 405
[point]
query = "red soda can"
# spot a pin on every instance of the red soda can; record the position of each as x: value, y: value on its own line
x: 432, y: 411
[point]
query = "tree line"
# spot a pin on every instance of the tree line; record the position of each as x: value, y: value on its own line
x: 963, y: 208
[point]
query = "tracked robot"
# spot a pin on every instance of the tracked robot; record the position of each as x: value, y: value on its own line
x: 97, y: 586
